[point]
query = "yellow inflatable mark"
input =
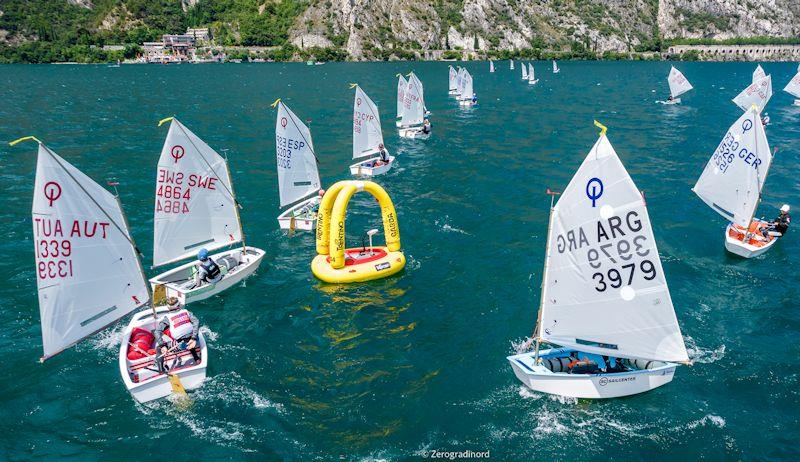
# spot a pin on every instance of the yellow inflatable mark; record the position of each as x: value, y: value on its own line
x: 334, y: 262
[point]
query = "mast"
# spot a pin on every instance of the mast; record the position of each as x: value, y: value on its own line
x: 761, y: 185
x: 236, y: 206
x: 538, y: 329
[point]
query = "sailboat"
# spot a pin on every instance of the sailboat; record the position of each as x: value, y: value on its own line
x: 402, y: 83
x: 732, y: 181
x: 89, y: 276
x: 511, y: 64
x: 605, y: 301
x: 491, y: 66
x: 532, y: 80
x: 367, y: 137
x: 678, y: 85
x: 413, y: 117
x: 466, y: 93
x: 524, y: 72
x: 196, y: 208
x: 298, y: 176
x: 758, y: 73
x: 452, y: 84
x: 556, y: 70
x: 756, y: 94
x: 793, y: 88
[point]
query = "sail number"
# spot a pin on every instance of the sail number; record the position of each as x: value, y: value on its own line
x: 616, y: 278
x: 621, y: 252
x: 726, y: 153
x: 284, y: 147
x: 56, y: 265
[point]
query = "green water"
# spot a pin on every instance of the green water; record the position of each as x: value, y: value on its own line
x: 394, y: 368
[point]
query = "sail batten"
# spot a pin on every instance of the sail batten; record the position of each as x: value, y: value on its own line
x: 194, y: 199
x: 604, y: 291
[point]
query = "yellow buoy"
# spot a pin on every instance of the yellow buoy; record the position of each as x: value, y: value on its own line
x: 337, y: 264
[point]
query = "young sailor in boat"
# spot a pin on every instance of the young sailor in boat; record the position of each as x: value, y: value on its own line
x: 670, y: 99
x: 474, y: 98
x: 765, y: 119
x: 426, y: 126
x: 208, y: 270
x: 384, y: 157
x: 176, y: 331
x: 779, y: 225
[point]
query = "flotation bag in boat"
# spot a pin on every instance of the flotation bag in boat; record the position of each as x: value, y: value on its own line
x: 557, y: 364
x: 642, y: 363
x: 140, y: 344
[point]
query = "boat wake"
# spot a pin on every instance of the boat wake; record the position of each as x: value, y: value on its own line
x: 703, y: 355
x: 445, y: 226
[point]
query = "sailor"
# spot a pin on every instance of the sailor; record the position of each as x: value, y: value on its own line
x: 176, y: 331
x: 670, y: 99
x: 384, y: 159
x: 426, y: 126
x: 474, y: 98
x: 781, y: 223
x: 765, y: 119
x: 208, y: 270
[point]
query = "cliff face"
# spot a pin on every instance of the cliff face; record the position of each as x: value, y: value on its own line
x: 725, y: 19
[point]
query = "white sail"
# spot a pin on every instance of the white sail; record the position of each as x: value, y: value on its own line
x: 511, y: 65
x: 413, y: 105
x: 452, y: 83
x: 367, y: 134
x: 759, y: 73
x: 467, y: 92
x: 605, y: 290
x: 531, y: 76
x: 732, y: 180
x: 298, y: 175
x: 421, y: 88
x: 194, y: 204
x: 757, y: 93
x: 491, y: 66
x: 88, y: 273
x: 555, y: 67
x: 678, y: 84
x: 401, y: 91
x: 524, y: 71
x: 793, y: 87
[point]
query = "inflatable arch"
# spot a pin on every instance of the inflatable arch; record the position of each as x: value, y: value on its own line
x: 337, y: 264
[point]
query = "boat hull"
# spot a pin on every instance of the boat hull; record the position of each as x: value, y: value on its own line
x: 533, y: 82
x: 300, y: 216
x: 539, y: 378
x: 178, y: 282
x: 413, y: 133
x: 668, y: 102
x: 452, y: 93
x: 158, y: 386
x: 753, y: 248
x: 361, y: 265
x: 466, y: 102
x: 364, y: 168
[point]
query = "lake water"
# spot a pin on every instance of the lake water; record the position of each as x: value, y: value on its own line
x: 395, y: 368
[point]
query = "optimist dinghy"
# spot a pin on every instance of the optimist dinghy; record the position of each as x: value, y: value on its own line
x: 556, y: 70
x: 532, y: 80
x: 732, y: 181
x: 756, y: 94
x: 402, y: 83
x: 298, y: 176
x: 412, y: 122
x: 89, y: 275
x: 678, y: 85
x: 491, y: 66
x: 467, y: 95
x: 367, y: 137
x: 452, y: 83
x: 758, y: 74
x: 793, y: 88
x: 511, y: 64
x: 605, y: 299
x: 196, y: 208
x: 524, y: 72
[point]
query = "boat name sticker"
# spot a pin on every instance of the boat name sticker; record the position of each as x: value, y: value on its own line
x: 173, y: 194
x: 614, y: 247
x: 286, y: 146
x: 382, y: 266
x: 728, y: 150
x: 53, y: 239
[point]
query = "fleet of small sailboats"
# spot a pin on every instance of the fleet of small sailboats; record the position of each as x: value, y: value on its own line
x: 413, y: 123
x: 196, y: 208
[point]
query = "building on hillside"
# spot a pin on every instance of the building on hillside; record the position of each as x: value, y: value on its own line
x: 740, y: 52
x: 173, y: 48
x: 201, y: 35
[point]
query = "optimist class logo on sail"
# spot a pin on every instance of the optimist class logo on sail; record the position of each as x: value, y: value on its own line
x: 52, y: 191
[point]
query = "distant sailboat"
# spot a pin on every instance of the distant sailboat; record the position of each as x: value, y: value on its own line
x: 758, y: 73
x: 556, y: 70
x: 402, y: 83
x: 757, y: 93
x: 412, y: 123
x: 511, y: 65
x: 732, y: 181
x: 491, y: 66
x: 195, y: 208
x: 467, y: 95
x: 524, y: 71
x: 298, y: 175
x: 793, y: 88
x: 532, y: 80
x: 452, y: 83
x: 678, y: 85
x: 367, y: 137
x: 606, y: 305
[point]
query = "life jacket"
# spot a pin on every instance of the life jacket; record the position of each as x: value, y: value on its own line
x: 211, y: 269
x: 180, y: 325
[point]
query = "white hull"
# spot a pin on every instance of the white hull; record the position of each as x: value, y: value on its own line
x: 179, y: 282
x: 158, y: 385
x: 452, y: 93
x: 413, y: 133
x: 364, y: 168
x: 302, y: 216
x: 556, y: 71
x: 533, y: 82
x: 466, y: 102
x: 594, y: 386
x: 674, y: 101
x: 745, y: 250
x: 797, y: 102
